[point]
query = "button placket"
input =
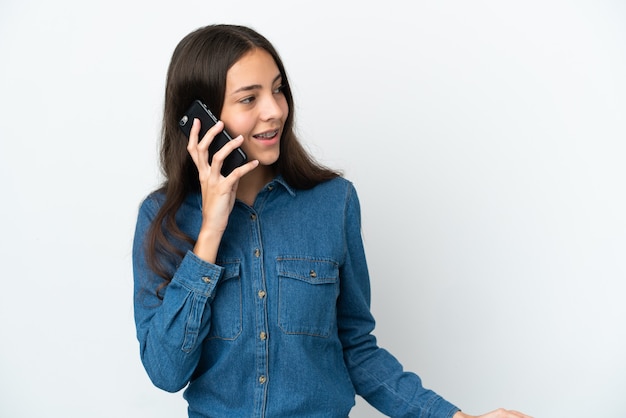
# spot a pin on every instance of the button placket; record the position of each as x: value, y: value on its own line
x: 260, y: 325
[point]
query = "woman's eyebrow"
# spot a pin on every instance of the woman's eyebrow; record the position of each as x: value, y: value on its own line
x: 255, y: 86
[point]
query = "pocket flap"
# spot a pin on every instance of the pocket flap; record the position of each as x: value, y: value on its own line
x: 310, y: 270
x: 231, y: 270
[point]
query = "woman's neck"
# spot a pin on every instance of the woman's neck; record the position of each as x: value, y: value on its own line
x: 251, y: 184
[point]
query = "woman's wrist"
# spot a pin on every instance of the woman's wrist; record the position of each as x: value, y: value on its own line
x: 207, y: 245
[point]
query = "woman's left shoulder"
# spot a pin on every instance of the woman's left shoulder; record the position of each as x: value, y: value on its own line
x: 339, y: 185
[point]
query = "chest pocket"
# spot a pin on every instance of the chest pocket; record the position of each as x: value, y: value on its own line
x: 308, y: 290
x: 226, y: 307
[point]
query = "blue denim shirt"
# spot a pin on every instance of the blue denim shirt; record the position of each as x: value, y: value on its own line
x: 280, y: 325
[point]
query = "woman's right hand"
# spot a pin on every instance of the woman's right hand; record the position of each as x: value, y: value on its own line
x: 218, y: 192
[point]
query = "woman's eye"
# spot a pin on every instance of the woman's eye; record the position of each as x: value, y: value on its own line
x: 247, y: 100
x: 279, y: 89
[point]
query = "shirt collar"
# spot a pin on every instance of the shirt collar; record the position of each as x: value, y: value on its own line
x: 280, y: 180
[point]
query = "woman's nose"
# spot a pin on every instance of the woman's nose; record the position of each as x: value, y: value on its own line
x: 272, y: 109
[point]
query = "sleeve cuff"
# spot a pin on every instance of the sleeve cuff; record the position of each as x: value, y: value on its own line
x: 198, y: 275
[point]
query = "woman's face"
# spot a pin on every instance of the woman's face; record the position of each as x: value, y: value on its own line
x: 255, y: 106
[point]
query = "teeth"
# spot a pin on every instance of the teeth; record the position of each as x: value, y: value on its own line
x: 266, y: 135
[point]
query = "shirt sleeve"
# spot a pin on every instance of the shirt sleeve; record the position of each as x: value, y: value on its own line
x: 376, y: 374
x: 170, y: 330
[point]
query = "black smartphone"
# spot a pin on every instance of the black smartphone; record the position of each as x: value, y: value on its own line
x: 207, y: 120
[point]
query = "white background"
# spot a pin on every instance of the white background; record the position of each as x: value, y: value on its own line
x: 485, y: 138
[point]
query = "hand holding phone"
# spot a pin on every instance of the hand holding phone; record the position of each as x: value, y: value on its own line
x: 198, y: 110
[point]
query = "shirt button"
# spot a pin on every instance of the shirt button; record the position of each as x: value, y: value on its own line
x: 270, y: 187
x: 261, y: 294
x: 257, y: 252
x: 263, y: 336
x: 262, y: 379
x: 253, y: 216
x: 206, y: 280
x: 313, y: 274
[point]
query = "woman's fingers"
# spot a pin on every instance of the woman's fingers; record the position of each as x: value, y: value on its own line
x: 194, y: 148
x: 220, y: 156
x: 241, y: 171
x: 199, y: 147
x: 199, y: 150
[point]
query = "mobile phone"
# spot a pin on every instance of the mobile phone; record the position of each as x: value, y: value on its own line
x: 207, y: 120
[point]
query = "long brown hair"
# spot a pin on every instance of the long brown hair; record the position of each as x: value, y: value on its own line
x: 198, y: 70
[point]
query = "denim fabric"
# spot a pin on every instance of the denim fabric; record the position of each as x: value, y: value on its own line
x: 280, y: 325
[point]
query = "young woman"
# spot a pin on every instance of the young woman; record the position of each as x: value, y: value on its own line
x: 252, y: 290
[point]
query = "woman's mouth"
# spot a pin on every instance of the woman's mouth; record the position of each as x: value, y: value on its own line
x: 266, y: 135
